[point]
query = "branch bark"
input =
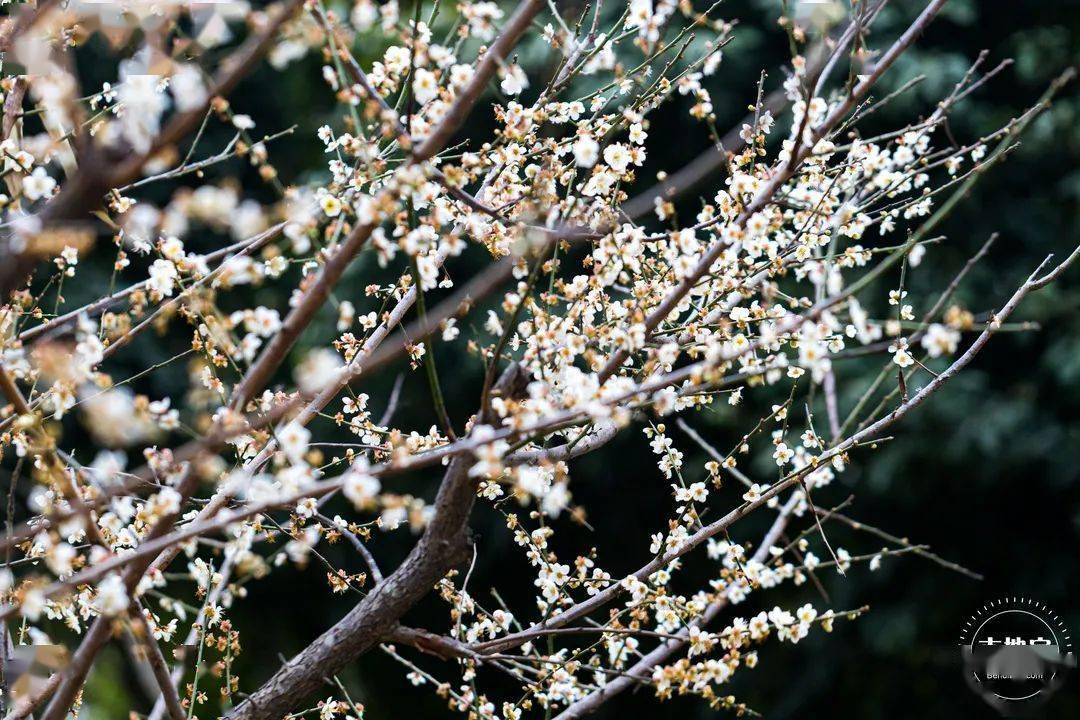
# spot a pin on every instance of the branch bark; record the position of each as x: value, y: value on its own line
x: 443, y: 545
x: 499, y: 50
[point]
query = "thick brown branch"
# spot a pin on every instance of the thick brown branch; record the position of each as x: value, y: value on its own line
x: 463, y: 103
x: 443, y: 545
x: 299, y: 318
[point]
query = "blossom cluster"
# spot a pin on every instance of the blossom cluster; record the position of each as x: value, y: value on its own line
x: 587, y: 319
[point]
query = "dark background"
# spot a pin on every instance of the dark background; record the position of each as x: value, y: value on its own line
x: 985, y: 472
